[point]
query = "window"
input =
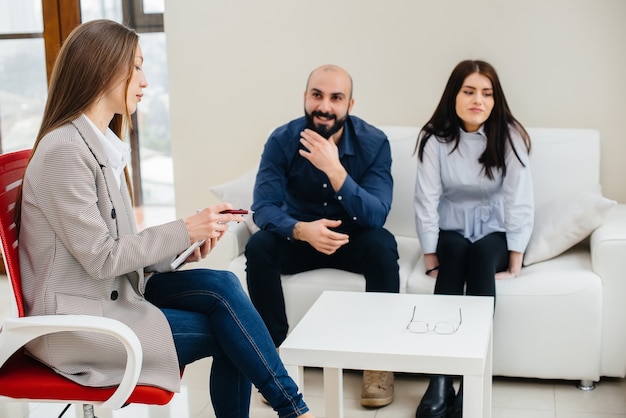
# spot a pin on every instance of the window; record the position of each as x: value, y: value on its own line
x: 23, y: 85
x: 152, y: 171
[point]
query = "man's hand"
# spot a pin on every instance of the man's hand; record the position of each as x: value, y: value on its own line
x: 319, y: 235
x: 324, y: 155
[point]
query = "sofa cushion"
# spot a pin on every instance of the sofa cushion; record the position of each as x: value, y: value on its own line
x: 401, y: 218
x: 546, y: 320
x: 549, y: 320
x: 563, y: 161
x: 408, y: 250
x: 569, y: 273
x: 565, y: 221
x: 302, y: 289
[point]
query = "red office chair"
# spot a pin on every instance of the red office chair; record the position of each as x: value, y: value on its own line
x: 22, y: 377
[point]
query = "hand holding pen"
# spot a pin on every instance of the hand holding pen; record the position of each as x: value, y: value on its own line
x: 210, y: 224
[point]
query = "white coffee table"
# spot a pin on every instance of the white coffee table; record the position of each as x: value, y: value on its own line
x: 367, y: 331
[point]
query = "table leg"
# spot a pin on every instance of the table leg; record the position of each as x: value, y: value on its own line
x: 474, y: 395
x: 297, y: 374
x: 488, y: 378
x: 333, y: 392
x: 477, y: 390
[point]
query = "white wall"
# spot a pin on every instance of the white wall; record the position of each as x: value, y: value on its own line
x: 238, y: 69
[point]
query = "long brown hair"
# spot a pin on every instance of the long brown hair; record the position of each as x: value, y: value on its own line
x: 95, y: 56
x: 445, y: 124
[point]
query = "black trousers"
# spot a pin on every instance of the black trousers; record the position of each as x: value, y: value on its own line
x: 373, y: 253
x: 470, y: 268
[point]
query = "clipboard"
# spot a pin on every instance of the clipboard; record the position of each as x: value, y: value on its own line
x: 183, y: 256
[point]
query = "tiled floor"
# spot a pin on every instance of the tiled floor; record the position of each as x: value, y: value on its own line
x: 512, y: 398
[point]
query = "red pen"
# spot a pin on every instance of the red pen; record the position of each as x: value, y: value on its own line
x: 237, y: 211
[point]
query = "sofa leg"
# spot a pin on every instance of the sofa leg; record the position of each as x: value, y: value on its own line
x: 586, y: 385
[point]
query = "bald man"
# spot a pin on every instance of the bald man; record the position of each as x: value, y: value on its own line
x: 322, y: 193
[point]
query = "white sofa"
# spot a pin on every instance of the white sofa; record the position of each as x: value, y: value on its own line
x: 563, y: 318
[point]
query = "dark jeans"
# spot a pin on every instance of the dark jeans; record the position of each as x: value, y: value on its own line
x: 473, y: 266
x: 211, y: 315
x: 373, y: 253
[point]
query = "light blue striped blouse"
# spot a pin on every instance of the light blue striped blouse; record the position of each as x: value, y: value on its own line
x: 453, y: 193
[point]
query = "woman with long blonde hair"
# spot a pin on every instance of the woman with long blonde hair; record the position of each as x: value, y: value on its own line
x: 80, y: 252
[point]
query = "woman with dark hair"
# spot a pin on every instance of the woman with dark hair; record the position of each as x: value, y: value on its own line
x: 473, y: 199
x: 80, y: 252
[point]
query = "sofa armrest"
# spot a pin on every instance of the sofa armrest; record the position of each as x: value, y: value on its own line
x: 608, y: 247
x: 231, y: 246
x: 608, y: 258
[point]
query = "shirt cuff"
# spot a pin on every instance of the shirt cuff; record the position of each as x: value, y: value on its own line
x: 429, y: 243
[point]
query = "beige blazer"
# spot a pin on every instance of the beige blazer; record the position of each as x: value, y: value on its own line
x: 80, y: 254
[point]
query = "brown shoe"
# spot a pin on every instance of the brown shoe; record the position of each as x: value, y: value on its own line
x: 377, y: 388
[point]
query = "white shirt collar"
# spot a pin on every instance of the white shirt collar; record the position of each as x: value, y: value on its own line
x: 480, y: 132
x: 117, y: 151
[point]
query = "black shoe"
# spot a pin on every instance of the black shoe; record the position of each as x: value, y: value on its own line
x: 456, y: 410
x: 437, y: 399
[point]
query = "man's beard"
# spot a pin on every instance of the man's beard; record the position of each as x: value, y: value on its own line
x: 324, y: 130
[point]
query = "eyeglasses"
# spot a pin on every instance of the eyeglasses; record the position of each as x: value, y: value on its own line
x: 442, y: 328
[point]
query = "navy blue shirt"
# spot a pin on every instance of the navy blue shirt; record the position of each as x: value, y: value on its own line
x: 289, y: 188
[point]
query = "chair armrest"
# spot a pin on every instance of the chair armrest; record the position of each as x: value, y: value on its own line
x: 608, y: 258
x: 231, y: 245
x: 18, y: 331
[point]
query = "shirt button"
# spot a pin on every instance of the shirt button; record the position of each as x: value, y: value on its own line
x: 113, y: 215
x: 324, y: 185
x: 354, y: 218
x: 325, y: 203
x: 339, y: 197
x: 114, y: 295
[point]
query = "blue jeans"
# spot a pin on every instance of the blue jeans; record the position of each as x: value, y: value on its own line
x: 211, y: 315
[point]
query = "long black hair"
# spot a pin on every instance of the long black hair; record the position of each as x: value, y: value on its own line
x: 445, y: 124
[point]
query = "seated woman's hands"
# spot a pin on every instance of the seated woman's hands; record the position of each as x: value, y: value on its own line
x: 432, y: 264
x: 515, y: 266
x: 210, y: 225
